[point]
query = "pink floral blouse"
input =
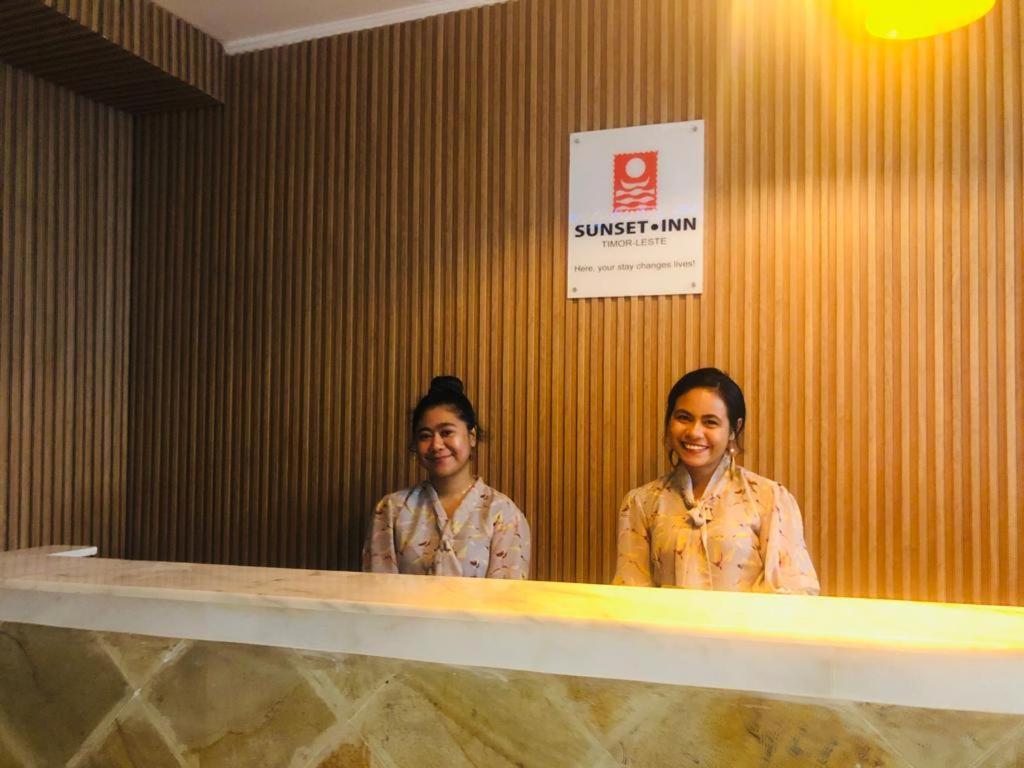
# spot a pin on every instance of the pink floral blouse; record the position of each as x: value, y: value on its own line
x: 487, y: 535
x: 744, y: 534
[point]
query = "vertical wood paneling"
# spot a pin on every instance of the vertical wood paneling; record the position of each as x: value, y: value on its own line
x: 92, y: 49
x: 65, y: 221
x: 373, y: 209
x: 156, y: 35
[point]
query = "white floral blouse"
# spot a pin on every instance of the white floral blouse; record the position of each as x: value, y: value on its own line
x: 744, y: 534
x: 487, y: 535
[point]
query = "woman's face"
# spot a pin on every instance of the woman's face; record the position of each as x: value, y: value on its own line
x: 698, y: 429
x: 444, y: 444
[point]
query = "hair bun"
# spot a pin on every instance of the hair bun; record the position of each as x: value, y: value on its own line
x: 447, y: 384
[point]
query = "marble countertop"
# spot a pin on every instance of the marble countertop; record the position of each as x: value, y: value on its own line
x: 911, y: 654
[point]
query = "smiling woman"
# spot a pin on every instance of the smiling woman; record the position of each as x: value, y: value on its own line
x: 709, y: 523
x: 452, y: 524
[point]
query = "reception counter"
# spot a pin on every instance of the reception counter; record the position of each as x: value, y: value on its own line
x: 124, y: 663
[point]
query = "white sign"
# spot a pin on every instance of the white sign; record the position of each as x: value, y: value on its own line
x: 636, y: 211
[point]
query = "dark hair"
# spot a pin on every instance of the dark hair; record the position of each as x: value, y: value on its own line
x: 450, y: 392
x: 727, y: 389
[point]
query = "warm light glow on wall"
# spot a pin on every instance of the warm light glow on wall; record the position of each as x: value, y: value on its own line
x: 909, y: 19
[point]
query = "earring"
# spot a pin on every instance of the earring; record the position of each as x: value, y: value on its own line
x: 733, y: 468
x: 673, y: 458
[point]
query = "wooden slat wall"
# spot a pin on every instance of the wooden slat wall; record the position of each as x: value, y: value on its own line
x: 375, y: 208
x: 65, y: 222
x: 52, y: 45
x: 156, y: 35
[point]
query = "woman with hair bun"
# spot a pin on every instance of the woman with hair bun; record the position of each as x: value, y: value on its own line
x: 709, y: 523
x: 452, y: 524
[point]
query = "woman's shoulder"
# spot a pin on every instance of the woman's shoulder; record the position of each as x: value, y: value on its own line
x: 764, y: 488
x: 397, y: 499
x: 498, y: 506
x: 648, y: 490
x: 497, y: 498
x: 755, y: 479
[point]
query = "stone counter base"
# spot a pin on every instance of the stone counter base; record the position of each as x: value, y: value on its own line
x: 99, y: 700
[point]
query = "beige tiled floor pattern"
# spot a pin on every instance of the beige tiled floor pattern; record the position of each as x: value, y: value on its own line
x: 88, y: 700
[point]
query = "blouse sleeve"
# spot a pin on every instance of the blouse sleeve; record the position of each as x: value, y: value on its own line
x: 787, y: 563
x: 510, y: 545
x: 633, y: 563
x: 379, y: 554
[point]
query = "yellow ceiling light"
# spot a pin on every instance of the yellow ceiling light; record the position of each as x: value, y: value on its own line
x: 909, y: 19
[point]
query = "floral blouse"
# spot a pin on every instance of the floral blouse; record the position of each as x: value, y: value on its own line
x: 744, y: 534
x: 487, y: 535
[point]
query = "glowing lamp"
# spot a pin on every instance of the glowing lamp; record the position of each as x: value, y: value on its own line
x: 909, y: 19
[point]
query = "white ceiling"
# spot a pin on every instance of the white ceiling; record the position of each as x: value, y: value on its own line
x: 247, y: 25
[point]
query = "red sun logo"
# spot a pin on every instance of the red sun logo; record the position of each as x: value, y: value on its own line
x: 636, y: 182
